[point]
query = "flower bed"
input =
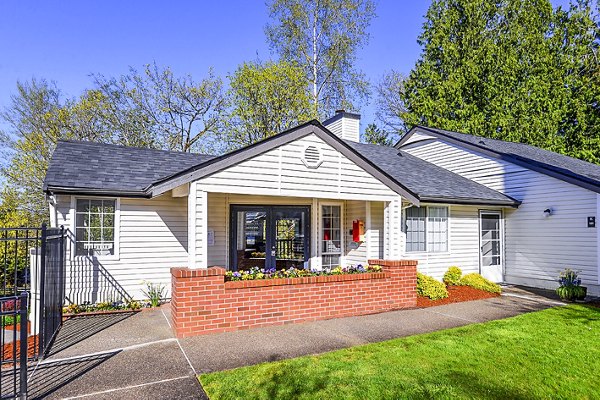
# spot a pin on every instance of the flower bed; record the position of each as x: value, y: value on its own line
x: 256, y: 273
x: 203, y: 302
x: 102, y: 307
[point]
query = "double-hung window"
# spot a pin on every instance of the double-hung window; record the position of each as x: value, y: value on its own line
x: 95, y: 227
x: 426, y: 229
x: 331, y: 236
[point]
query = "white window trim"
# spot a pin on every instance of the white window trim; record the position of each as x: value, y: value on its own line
x: 117, y: 233
x: 448, y: 232
x: 320, y: 232
x: 502, y: 238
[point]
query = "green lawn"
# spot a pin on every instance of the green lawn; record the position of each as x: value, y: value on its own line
x: 553, y: 353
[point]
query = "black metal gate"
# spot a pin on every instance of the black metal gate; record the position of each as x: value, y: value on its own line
x: 32, y: 268
x: 52, y: 285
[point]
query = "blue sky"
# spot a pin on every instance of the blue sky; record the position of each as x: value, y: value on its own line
x: 65, y: 41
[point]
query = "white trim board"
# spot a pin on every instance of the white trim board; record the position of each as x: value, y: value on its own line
x: 117, y: 227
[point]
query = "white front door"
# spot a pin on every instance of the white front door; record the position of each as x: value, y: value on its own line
x: 490, y: 241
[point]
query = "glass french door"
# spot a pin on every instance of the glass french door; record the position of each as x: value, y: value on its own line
x: 491, y: 259
x: 269, y: 237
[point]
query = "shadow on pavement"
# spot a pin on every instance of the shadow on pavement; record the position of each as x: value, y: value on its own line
x: 50, y: 376
x: 78, y: 328
x: 515, y: 306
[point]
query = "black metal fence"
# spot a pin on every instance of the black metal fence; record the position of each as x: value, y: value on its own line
x: 13, y: 360
x: 32, y: 275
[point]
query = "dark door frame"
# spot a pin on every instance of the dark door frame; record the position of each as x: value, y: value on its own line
x: 270, y: 260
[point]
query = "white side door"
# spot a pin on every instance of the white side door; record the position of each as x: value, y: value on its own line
x: 491, y: 259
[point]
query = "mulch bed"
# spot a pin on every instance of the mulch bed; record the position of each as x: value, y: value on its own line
x: 7, y: 350
x: 456, y: 294
x: 102, y: 312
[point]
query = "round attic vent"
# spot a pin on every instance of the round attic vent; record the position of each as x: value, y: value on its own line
x: 312, y: 157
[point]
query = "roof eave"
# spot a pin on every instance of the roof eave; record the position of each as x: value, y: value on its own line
x: 471, y: 201
x: 95, y: 192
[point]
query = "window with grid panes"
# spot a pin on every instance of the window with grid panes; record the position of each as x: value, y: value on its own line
x: 426, y: 229
x: 331, y: 236
x: 95, y: 227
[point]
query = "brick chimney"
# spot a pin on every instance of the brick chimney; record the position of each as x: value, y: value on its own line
x: 344, y: 125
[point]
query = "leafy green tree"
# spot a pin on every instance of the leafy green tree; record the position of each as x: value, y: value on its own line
x: 515, y: 70
x: 374, y: 135
x: 36, y: 118
x: 175, y: 111
x: 323, y: 37
x: 266, y: 98
x: 13, y: 253
x: 155, y: 109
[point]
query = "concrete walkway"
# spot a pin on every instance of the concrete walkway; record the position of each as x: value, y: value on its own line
x: 136, y: 356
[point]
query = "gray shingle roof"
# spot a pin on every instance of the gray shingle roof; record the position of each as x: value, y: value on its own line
x: 428, y: 181
x: 531, y: 156
x: 91, y: 167
x: 94, y: 168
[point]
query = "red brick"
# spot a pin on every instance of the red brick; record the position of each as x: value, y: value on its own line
x: 202, y: 302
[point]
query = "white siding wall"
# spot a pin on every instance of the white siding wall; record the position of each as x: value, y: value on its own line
x: 346, y: 128
x: 200, y: 220
x: 463, y: 245
x: 281, y: 172
x: 536, y: 248
x: 356, y: 253
x: 218, y: 222
x: 394, y: 239
x: 375, y: 231
x: 153, y: 238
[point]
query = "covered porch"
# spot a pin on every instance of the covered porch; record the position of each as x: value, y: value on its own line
x: 243, y: 231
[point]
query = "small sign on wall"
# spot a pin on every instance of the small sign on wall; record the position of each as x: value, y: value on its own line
x: 211, y: 237
x: 591, y: 222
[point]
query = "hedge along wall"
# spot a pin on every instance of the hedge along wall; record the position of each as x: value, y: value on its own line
x: 202, y: 302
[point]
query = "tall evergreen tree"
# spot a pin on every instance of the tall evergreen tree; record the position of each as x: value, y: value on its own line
x: 375, y: 135
x: 515, y: 70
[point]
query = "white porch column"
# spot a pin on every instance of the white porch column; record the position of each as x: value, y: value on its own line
x: 34, y: 298
x: 197, y: 227
x: 393, y: 242
x: 369, y: 237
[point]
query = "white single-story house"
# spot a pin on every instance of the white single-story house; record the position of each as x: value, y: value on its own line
x: 314, y: 197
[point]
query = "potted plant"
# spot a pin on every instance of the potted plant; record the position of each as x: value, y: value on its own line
x: 570, y: 288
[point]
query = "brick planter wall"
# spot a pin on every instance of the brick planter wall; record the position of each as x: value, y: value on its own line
x: 202, y: 302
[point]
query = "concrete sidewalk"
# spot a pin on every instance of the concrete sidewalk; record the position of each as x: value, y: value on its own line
x: 136, y: 356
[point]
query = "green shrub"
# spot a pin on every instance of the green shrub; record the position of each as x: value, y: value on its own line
x: 430, y: 287
x: 452, y: 276
x: 154, y: 292
x: 571, y: 293
x: 8, y: 320
x: 479, y: 282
